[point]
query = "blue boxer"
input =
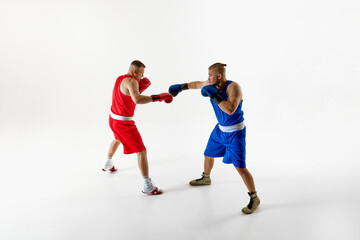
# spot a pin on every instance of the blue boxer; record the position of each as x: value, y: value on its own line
x: 229, y: 143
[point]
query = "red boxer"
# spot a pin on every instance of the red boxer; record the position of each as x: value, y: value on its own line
x: 126, y: 94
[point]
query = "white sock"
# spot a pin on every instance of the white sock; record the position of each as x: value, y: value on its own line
x: 109, y: 163
x: 148, y: 185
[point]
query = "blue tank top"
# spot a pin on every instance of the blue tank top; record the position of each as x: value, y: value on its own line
x: 223, y: 118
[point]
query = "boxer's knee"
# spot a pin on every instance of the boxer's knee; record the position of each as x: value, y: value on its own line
x: 142, y: 153
x: 209, y: 158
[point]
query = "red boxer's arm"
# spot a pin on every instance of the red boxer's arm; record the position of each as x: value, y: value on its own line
x: 133, y: 87
x: 144, y: 83
x: 166, y: 97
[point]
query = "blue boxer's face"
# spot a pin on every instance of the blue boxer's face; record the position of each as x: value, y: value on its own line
x: 214, y: 77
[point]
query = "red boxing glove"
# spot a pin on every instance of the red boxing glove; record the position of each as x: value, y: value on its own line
x: 166, y: 97
x: 144, y: 83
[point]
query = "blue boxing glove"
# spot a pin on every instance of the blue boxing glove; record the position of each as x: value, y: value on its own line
x: 175, y: 89
x: 212, y: 92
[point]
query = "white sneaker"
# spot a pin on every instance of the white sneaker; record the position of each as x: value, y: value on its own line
x: 150, y: 189
x: 109, y: 166
x: 155, y: 192
x: 108, y: 169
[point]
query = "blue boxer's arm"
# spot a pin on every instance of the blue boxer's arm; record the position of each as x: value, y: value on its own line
x: 234, y: 99
x: 174, y: 90
x: 212, y: 92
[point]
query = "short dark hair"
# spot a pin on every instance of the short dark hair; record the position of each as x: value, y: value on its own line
x: 218, y: 67
x: 137, y: 64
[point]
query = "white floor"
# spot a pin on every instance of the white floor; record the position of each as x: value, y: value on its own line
x: 53, y: 188
x: 297, y: 63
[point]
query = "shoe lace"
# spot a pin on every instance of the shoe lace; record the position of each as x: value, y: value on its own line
x: 199, y: 179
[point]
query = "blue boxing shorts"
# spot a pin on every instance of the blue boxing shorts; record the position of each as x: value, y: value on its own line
x: 229, y: 145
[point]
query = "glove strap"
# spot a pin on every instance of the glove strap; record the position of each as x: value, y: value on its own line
x: 184, y: 86
x: 217, y: 98
x: 155, y: 98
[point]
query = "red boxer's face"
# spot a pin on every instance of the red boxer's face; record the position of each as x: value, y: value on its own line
x: 139, y: 73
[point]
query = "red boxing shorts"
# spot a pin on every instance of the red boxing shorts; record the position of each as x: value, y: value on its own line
x: 127, y: 133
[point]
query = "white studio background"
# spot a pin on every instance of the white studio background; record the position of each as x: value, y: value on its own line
x: 298, y: 63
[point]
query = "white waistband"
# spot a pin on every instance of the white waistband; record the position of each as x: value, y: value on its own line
x: 232, y: 128
x: 118, y: 117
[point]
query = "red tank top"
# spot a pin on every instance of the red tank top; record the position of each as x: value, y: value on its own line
x: 121, y: 104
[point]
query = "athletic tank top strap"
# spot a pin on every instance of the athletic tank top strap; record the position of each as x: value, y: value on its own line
x: 223, y: 93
